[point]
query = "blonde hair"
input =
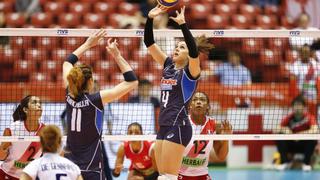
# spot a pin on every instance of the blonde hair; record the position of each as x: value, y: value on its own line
x: 203, y: 44
x: 78, y: 78
x: 50, y: 138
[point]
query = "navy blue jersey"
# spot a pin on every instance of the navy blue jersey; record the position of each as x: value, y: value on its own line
x: 85, y: 120
x: 177, y: 88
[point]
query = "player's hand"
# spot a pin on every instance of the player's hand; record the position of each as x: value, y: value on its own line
x: 180, y: 19
x: 94, y: 38
x: 156, y: 11
x: 112, y: 48
x: 3, y: 154
x: 224, y: 127
x: 118, y: 168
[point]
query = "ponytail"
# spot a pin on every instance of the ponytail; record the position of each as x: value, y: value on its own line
x: 78, y: 79
x: 203, y: 44
x: 19, y: 113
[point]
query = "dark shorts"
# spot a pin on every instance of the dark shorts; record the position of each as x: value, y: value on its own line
x: 93, y: 175
x: 203, y: 177
x: 177, y: 134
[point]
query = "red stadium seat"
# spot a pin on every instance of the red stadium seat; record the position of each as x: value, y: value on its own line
x: 130, y: 44
x: 37, y: 77
x: 242, y: 21
x: 72, y: 42
x: 270, y: 57
x: 200, y: 11
x: 104, y: 8
x: 69, y: 20
x: 41, y: 20
x: 278, y: 43
x: 210, y: 1
x: 10, y: 54
x: 271, y: 10
x: 55, y: 8
x: 94, y: 20
x: 128, y: 8
x: 15, y: 20
x: 247, y: 9
x: 92, y: 55
x: 60, y: 54
x: 6, y: 6
x: 104, y: 66
x: 237, y: 2
x: 79, y: 7
x: 51, y: 66
x: 19, y: 42
x: 34, y: 54
x: 47, y: 42
x: 291, y: 55
x: 114, y: 20
x: 24, y: 67
x: 267, y: 21
x: 226, y: 9
x: 216, y: 21
x: 252, y: 45
x: 287, y: 22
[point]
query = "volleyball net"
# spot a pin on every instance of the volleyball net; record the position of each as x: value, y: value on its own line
x: 31, y: 63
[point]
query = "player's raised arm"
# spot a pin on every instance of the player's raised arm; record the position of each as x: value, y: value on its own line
x: 92, y: 41
x: 155, y: 51
x: 221, y: 148
x: 119, y: 161
x: 130, y: 79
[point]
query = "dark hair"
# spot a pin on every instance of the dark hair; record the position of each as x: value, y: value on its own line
x: 205, y: 94
x: 143, y: 82
x: 19, y: 114
x: 78, y: 79
x: 299, y: 99
x: 135, y: 124
x: 50, y: 138
x: 203, y: 44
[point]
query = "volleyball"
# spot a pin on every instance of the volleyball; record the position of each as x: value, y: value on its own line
x: 168, y: 3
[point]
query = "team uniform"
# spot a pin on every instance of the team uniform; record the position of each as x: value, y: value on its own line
x: 84, y: 145
x: 52, y: 166
x: 20, y: 153
x: 196, y: 155
x: 141, y: 162
x: 177, y: 88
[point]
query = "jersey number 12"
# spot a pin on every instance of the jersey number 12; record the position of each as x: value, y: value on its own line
x: 76, y: 120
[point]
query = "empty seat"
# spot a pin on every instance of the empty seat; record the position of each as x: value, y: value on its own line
x: 210, y: 1
x: 79, y: 7
x: 200, y: 11
x: 104, y: 8
x: 55, y: 8
x: 216, y: 21
x: 37, y: 77
x: 47, y: 42
x: 236, y: 2
x: 270, y: 57
x: 226, y: 9
x: 291, y: 55
x: 34, y: 54
x: 267, y: 21
x: 278, y: 43
x: 6, y: 6
x: 60, y: 54
x: 72, y: 42
x: 92, y: 55
x: 15, y: 20
x: 24, y: 67
x: 21, y: 42
x: 287, y: 22
x: 41, y: 20
x: 252, y: 45
x: 271, y: 10
x: 10, y: 54
x: 51, y: 66
x: 242, y: 21
x: 94, y: 20
x: 69, y: 20
x: 248, y: 9
x: 128, y: 8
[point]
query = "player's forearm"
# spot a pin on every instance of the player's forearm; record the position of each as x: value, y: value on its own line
x: 221, y: 148
x: 148, y: 33
x: 80, y: 50
x: 122, y: 64
x: 191, y: 44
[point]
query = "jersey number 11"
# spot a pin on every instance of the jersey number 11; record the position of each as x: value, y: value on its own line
x: 76, y: 120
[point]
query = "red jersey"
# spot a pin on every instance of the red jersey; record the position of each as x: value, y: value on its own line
x: 141, y: 160
x: 299, y: 125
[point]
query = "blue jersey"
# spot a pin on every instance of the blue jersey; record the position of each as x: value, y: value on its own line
x: 177, y: 88
x: 85, y: 120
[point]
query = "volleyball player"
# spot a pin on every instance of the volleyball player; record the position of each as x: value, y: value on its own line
x: 85, y: 109
x: 197, y: 153
x: 16, y: 155
x: 140, y: 153
x: 51, y: 165
x: 178, y: 83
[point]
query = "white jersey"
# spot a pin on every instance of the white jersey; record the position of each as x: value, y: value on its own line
x: 22, y: 152
x: 196, y: 155
x: 52, y: 166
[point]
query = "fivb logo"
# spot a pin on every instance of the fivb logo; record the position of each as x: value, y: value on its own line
x: 140, y: 32
x: 62, y: 31
x: 218, y: 33
x: 294, y: 33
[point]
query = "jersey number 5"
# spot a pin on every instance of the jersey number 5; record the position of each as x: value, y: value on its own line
x: 165, y: 98
x: 76, y: 120
x: 58, y: 176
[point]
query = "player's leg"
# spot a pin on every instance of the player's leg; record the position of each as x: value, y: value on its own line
x: 158, y: 155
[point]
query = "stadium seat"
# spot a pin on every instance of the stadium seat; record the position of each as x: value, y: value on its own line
x: 10, y: 54
x: 15, y: 20
x: 200, y: 11
x: 104, y: 66
x: 128, y: 8
x: 291, y: 55
x: 80, y: 8
x: 278, y: 43
x: 114, y: 20
x: 287, y: 22
x: 94, y: 20
x: 267, y: 21
x: 60, y: 54
x: 37, y: 77
x: 6, y: 7
x: 55, y: 8
x: 19, y: 42
x: 270, y: 57
x: 104, y: 8
x: 141, y: 56
x: 34, y: 54
x: 72, y: 43
x: 51, y: 66
x: 271, y: 10
x: 248, y: 9
x: 236, y: 2
x: 47, y: 42
x: 130, y: 44
x: 226, y: 9
x: 92, y: 55
x: 210, y: 1
x: 41, y: 20
x: 240, y: 21
x: 252, y: 45
x: 24, y: 67
x: 216, y: 21
x: 69, y: 20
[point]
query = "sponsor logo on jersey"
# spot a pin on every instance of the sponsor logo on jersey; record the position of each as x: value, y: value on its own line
x: 166, y: 84
x: 193, y: 162
x: 170, y: 135
x: 20, y: 165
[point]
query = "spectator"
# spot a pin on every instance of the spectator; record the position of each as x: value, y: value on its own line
x: 27, y: 7
x: 263, y: 3
x: 4, y: 40
x: 233, y: 73
x: 300, y: 121
x: 144, y: 94
x: 306, y: 70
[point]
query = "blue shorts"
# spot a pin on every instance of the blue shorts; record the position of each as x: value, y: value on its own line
x: 177, y: 134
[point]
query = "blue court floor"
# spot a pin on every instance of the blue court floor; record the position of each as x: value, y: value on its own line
x: 227, y: 174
